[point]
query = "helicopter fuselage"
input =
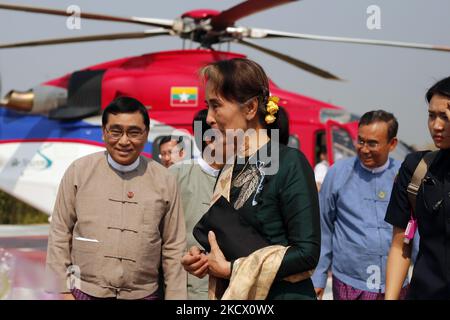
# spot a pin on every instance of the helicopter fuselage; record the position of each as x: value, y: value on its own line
x: 35, y: 150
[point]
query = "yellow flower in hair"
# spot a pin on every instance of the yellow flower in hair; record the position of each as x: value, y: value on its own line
x: 270, y: 119
x: 271, y: 108
x: 274, y: 99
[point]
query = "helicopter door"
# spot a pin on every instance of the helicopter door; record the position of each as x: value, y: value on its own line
x: 340, y: 143
x: 320, y: 147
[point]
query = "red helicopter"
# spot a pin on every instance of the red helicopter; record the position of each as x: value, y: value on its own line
x: 44, y: 129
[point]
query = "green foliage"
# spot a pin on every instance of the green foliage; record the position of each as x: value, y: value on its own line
x: 14, y: 211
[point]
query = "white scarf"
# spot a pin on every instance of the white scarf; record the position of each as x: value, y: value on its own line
x: 121, y: 167
x: 207, y: 168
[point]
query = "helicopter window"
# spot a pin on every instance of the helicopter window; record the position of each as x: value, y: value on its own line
x: 320, y: 147
x: 342, y: 143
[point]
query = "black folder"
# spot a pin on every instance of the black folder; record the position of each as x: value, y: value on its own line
x: 235, y: 237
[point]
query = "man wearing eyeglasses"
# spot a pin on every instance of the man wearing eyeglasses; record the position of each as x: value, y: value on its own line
x: 171, y: 150
x: 117, y: 218
x: 353, y: 202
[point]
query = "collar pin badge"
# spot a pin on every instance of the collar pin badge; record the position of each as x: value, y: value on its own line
x: 381, y: 194
x: 130, y: 194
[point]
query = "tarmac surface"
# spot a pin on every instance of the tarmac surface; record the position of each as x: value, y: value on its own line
x: 28, y: 247
x: 24, y: 249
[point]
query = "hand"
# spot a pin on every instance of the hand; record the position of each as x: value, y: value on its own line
x: 218, y: 265
x: 319, y: 293
x: 67, y: 296
x: 195, y: 262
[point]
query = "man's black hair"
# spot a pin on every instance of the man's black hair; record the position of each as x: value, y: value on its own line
x: 383, y: 116
x: 179, y: 140
x: 126, y: 105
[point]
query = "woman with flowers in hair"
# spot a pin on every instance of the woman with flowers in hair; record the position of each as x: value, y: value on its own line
x: 268, y: 186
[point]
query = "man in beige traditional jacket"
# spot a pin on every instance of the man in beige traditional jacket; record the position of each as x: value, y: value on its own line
x: 118, y: 217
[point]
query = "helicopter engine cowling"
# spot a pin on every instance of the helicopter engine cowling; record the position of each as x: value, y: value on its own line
x: 39, y: 100
x: 84, y: 96
x: 81, y: 99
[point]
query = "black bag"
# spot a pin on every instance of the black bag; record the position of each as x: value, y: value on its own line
x: 236, y: 238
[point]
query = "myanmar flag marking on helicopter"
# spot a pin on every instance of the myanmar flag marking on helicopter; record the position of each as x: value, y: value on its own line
x: 184, y: 96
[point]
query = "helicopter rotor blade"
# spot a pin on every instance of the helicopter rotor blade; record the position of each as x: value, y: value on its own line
x: 255, y: 33
x: 162, y: 23
x: 112, y: 36
x: 229, y: 17
x: 298, y: 63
